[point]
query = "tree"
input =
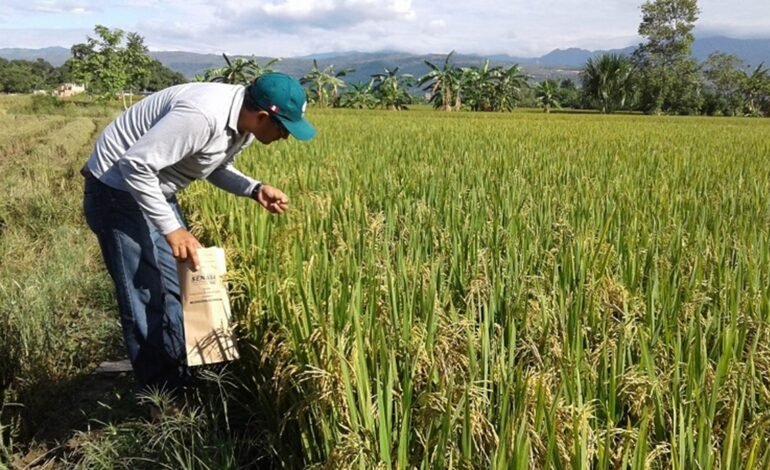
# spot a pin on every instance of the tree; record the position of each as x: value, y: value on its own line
x: 161, y: 77
x: 755, y: 88
x: 608, y: 81
x: 569, y: 94
x: 360, y: 96
x: 391, y: 89
x: 25, y: 76
x: 237, y: 71
x: 324, y: 84
x: 724, y: 74
x: 138, y: 65
x: 510, y: 83
x: 17, y: 76
x: 669, y: 75
x: 492, y: 88
x: 479, y: 86
x: 547, y: 95
x: 442, y: 83
x: 105, y: 66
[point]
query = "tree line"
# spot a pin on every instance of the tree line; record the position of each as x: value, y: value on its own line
x: 110, y: 63
x: 661, y: 76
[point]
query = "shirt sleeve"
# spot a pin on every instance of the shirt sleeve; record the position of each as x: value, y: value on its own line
x: 228, y: 177
x: 182, y: 132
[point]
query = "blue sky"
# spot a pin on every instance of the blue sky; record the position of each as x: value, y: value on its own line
x: 284, y: 28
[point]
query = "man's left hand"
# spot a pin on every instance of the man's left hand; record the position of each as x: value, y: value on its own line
x: 272, y: 199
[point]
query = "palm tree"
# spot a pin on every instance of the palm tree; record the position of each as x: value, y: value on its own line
x: 547, y: 94
x: 443, y: 83
x: 391, y: 89
x: 609, y: 80
x: 324, y: 84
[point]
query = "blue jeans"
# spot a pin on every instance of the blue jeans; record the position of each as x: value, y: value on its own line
x: 143, y: 269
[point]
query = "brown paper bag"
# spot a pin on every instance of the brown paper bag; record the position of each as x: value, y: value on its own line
x: 206, y: 309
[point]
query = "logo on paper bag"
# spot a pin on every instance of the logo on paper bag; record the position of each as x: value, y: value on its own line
x: 204, y: 279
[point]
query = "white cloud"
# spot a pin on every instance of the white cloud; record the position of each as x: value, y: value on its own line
x: 52, y: 6
x: 300, y: 27
x: 322, y: 14
x: 436, y: 24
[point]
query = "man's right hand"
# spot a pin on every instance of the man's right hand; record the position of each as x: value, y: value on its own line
x: 183, y: 246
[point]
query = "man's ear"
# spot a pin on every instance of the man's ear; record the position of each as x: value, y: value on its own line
x: 261, y: 119
x: 249, y: 120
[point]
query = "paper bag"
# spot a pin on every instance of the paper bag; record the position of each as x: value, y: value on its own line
x: 206, y: 309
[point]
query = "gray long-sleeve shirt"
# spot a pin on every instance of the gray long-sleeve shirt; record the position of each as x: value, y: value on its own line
x: 168, y: 140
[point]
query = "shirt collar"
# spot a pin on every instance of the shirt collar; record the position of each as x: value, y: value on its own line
x: 235, y: 108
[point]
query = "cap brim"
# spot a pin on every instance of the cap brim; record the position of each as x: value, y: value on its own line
x: 301, y: 130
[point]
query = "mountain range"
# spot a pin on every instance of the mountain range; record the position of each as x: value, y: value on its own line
x: 559, y: 63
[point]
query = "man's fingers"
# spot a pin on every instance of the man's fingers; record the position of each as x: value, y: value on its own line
x: 188, y: 252
x: 184, y: 245
x: 182, y: 253
x: 273, y: 200
x: 277, y: 208
x: 194, y: 259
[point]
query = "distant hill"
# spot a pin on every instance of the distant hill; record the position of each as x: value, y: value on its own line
x: 752, y: 51
x: 559, y: 63
x: 55, y: 56
x: 575, y: 57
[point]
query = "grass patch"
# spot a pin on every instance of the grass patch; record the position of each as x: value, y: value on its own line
x: 57, y: 315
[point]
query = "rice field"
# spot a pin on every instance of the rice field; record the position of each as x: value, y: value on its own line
x: 505, y: 291
x: 448, y: 290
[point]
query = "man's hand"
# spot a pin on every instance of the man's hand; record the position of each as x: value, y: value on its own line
x: 272, y: 199
x: 183, y: 246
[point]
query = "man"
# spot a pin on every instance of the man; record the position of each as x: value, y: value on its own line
x: 154, y: 149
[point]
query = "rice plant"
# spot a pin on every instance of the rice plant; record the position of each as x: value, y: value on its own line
x: 506, y: 291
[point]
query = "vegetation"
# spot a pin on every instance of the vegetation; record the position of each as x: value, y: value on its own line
x: 103, y: 64
x: 239, y: 71
x: 391, y: 89
x: 107, y: 67
x: 723, y: 76
x: 491, y: 291
x: 547, y: 94
x: 443, y: 84
x: 55, y: 301
x: 161, y: 77
x: 510, y: 290
x: 324, y: 85
x: 608, y: 82
x: 23, y: 76
x: 359, y: 96
x: 661, y: 77
x: 506, y: 291
x: 669, y: 75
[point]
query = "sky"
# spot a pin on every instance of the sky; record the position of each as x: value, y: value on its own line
x: 287, y: 28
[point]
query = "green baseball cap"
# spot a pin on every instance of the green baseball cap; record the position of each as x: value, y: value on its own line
x: 283, y: 97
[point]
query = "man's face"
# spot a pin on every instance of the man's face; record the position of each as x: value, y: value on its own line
x: 282, y: 131
x: 269, y: 128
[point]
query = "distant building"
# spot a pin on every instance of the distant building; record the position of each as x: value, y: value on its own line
x: 69, y: 89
